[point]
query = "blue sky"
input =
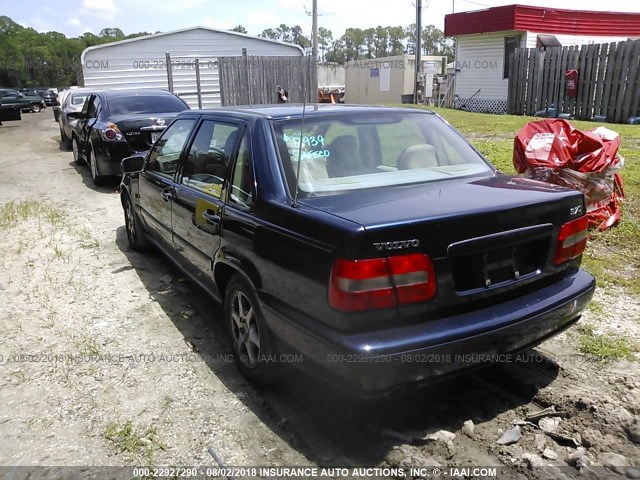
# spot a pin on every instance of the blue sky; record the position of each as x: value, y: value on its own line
x: 74, y: 17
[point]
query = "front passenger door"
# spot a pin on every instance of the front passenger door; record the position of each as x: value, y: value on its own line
x: 157, y: 182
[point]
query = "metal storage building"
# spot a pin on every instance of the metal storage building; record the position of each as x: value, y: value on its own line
x: 141, y: 62
x: 485, y: 38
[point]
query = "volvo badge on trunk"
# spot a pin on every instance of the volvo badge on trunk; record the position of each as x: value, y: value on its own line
x: 397, y: 245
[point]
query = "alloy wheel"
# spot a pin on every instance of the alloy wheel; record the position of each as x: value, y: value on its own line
x: 130, y: 224
x: 244, y: 329
x: 76, y: 151
x: 93, y: 164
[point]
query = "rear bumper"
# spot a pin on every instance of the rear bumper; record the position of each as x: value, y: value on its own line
x: 375, y: 362
x: 110, y: 157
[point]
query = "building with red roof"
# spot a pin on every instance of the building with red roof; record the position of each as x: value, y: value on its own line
x: 486, y: 38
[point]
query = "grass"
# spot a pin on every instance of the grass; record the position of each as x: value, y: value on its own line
x: 13, y: 213
x: 87, y: 346
x: 126, y: 438
x: 605, y: 347
x: 612, y: 256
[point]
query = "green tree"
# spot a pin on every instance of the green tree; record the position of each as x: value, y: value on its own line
x: 325, y: 39
x: 239, y: 29
x: 114, y: 33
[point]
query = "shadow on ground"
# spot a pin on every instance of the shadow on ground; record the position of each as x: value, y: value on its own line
x: 111, y: 183
x: 328, y: 426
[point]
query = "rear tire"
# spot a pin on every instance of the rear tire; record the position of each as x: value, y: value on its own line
x: 254, y: 350
x: 64, y: 140
x: 36, y: 108
x: 93, y: 164
x: 77, y: 157
x: 135, y: 232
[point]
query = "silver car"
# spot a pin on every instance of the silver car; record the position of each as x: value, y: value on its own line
x: 70, y: 101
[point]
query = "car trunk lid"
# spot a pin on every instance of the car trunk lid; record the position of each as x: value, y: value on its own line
x: 141, y: 131
x: 485, y: 236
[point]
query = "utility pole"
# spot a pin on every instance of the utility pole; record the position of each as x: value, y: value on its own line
x: 418, y: 65
x: 314, y: 49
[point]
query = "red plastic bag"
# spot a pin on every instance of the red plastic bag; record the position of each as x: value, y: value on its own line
x: 554, y: 151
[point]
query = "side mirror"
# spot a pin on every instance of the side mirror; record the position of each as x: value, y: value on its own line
x: 20, y: 95
x: 133, y: 164
x: 76, y: 115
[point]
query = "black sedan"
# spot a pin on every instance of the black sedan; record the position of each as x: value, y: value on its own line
x: 50, y: 97
x: 115, y: 124
x: 371, y: 246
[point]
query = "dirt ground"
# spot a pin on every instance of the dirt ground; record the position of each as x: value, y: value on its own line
x: 109, y: 357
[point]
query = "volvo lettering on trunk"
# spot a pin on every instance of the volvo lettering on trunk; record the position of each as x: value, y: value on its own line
x: 397, y: 244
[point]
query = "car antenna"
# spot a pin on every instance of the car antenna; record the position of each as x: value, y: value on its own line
x: 304, y: 111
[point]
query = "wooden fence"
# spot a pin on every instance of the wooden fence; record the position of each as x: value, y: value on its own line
x: 608, y: 85
x: 251, y: 80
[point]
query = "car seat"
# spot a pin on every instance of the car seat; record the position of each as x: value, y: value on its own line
x: 417, y: 156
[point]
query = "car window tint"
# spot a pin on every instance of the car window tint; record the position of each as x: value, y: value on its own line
x: 209, y: 157
x: 94, y: 106
x: 241, y: 193
x: 165, y: 154
x: 145, y: 104
x: 85, y: 105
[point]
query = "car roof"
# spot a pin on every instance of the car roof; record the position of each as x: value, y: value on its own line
x: 282, y: 111
x: 131, y: 92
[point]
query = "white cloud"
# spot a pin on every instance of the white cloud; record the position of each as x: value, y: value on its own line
x: 75, y: 22
x: 100, y: 5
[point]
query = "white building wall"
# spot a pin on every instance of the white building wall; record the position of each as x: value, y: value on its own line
x: 140, y: 62
x: 479, y: 66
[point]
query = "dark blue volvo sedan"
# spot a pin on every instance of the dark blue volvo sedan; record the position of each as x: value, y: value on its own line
x: 375, y: 242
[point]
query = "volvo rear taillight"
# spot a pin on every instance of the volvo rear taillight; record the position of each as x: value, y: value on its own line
x: 572, y: 240
x: 378, y: 283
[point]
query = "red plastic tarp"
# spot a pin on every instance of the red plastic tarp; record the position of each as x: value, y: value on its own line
x: 554, y: 151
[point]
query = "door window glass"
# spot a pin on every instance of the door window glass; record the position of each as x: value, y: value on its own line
x: 241, y: 192
x: 165, y: 154
x: 210, y: 156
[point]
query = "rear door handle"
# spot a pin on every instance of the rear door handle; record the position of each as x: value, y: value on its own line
x: 167, y: 195
x: 211, y: 218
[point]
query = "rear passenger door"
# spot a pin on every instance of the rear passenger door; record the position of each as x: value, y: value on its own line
x: 200, y: 192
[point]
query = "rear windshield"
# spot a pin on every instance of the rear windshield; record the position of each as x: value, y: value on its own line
x: 357, y: 151
x: 137, y: 104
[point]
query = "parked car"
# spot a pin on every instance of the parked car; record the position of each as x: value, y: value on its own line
x: 117, y: 123
x: 70, y: 101
x: 26, y: 102
x: 50, y: 97
x: 376, y: 243
x: 9, y: 113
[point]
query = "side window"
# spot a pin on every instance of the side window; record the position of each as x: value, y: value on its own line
x: 165, y: 154
x: 241, y: 193
x: 93, y: 107
x: 207, y: 164
x: 86, y: 105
